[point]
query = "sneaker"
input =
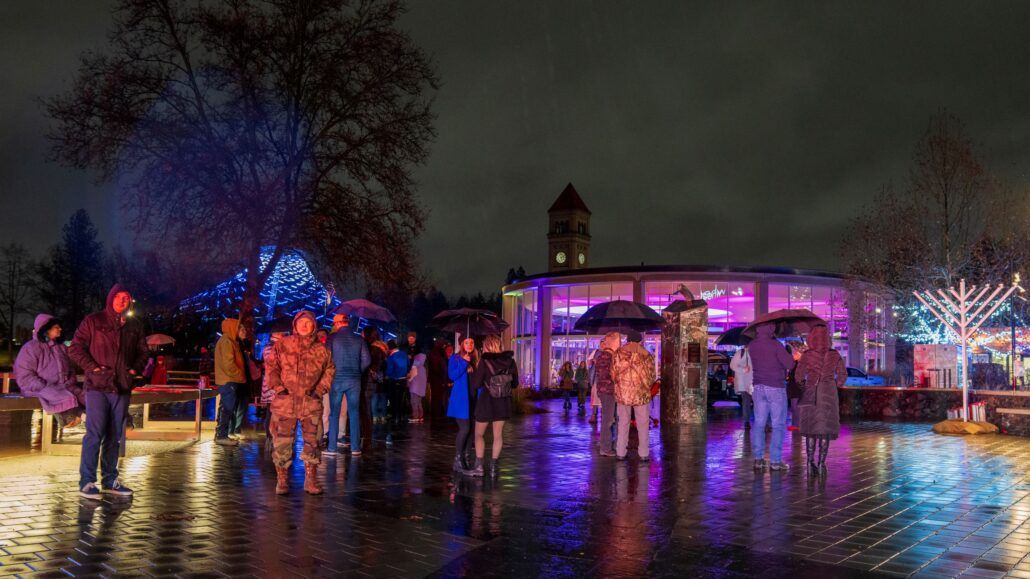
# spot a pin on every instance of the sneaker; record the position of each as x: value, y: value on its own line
x: 759, y: 464
x: 236, y: 436
x: 226, y: 442
x: 90, y: 491
x: 607, y: 453
x: 412, y: 420
x: 343, y: 444
x: 355, y: 453
x: 117, y: 488
x: 779, y: 466
x: 330, y: 452
x: 645, y: 458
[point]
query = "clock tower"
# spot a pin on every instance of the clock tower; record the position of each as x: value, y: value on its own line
x: 568, y: 236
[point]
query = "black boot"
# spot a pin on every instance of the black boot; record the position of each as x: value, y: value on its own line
x: 477, y: 470
x: 494, y: 468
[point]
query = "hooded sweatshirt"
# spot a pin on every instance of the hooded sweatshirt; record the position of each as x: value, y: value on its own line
x: 418, y: 377
x: 300, y: 372
x: 107, y: 345
x: 42, y: 369
x: 769, y: 359
x: 229, y: 360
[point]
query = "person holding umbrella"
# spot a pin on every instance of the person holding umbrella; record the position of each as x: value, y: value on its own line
x: 771, y: 362
x: 459, y: 368
x: 633, y: 371
x: 821, y: 372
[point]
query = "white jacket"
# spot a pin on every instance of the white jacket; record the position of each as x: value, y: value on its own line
x: 743, y: 372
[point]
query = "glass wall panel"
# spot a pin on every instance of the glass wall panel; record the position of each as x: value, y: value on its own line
x: 567, y: 305
x: 730, y: 304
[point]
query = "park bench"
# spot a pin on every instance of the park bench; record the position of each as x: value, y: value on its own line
x: 145, y: 395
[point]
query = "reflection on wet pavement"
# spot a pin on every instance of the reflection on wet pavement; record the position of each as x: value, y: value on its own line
x: 898, y: 500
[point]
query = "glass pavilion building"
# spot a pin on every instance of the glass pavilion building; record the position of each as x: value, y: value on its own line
x: 542, y: 309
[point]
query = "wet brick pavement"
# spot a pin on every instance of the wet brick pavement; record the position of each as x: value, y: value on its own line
x: 898, y: 500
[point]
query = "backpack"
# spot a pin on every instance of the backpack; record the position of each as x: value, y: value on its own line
x: 498, y: 385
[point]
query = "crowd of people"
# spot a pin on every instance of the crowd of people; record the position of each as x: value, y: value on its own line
x: 343, y: 390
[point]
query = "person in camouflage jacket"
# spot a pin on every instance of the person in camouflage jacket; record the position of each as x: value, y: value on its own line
x: 300, y: 371
x: 633, y: 371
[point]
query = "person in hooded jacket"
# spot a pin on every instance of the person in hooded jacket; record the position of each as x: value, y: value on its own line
x: 111, y: 348
x: 436, y: 365
x: 770, y: 362
x: 494, y: 380
x: 300, y: 372
x: 633, y: 371
x: 459, y: 406
x: 43, y: 370
x: 605, y: 388
x: 230, y: 379
x: 821, y: 372
x: 417, y: 381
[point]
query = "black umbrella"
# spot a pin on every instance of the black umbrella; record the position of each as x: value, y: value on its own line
x: 619, y: 316
x: 788, y: 323
x: 365, y: 309
x: 471, y: 321
x: 733, y: 337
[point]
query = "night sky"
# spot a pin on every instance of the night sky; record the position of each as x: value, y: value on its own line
x: 741, y: 135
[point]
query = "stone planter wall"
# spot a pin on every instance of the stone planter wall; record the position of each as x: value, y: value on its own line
x: 873, y: 402
x: 1016, y: 424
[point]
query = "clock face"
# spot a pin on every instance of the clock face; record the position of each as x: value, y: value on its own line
x: 560, y: 257
x: 582, y: 259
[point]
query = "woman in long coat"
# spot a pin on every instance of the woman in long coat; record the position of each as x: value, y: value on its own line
x: 821, y: 371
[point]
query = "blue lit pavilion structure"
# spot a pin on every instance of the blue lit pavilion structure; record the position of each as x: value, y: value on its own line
x: 291, y: 287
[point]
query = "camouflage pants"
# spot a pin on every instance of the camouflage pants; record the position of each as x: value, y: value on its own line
x: 284, y: 437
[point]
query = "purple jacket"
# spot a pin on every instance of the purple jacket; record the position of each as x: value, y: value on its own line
x: 112, y: 343
x: 43, y: 370
x: 769, y: 358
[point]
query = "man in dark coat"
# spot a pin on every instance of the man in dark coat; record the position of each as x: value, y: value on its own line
x: 436, y: 365
x: 111, y: 348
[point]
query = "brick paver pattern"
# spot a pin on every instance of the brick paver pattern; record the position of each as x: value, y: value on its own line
x: 898, y: 500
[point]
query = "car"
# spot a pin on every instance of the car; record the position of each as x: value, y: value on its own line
x: 857, y: 377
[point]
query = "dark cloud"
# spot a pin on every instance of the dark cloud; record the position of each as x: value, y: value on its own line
x: 736, y: 134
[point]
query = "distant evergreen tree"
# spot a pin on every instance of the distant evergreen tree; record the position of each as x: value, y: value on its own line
x: 70, y: 279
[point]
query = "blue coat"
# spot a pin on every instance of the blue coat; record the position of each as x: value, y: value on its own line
x: 351, y: 357
x: 460, y: 404
x: 397, y: 366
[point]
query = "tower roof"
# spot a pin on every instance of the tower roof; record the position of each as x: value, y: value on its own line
x: 569, y: 200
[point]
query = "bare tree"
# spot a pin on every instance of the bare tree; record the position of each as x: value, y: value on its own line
x: 16, y: 268
x: 247, y: 123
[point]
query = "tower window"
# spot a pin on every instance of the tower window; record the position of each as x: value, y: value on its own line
x: 582, y: 228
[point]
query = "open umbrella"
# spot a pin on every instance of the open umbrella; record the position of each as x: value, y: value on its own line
x: 471, y: 321
x: 156, y: 340
x: 733, y: 337
x: 365, y: 309
x: 788, y: 322
x: 619, y: 316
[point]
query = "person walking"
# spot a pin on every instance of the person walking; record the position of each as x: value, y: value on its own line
x: 230, y: 378
x: 743, y: 381
x: 350, y: 358
x: 111, y: 348
x: 582, y: 385
x: 459, y: 407
x: 300, y: 372
x: 633, y: 371
x: 771, y: 362
x: 44, y: 371
x: 436, y: 366
x: 493, y: 381
x: 605, y: 388
x: 820, y: 371
x: 567, y: 382
x: 417, y: 381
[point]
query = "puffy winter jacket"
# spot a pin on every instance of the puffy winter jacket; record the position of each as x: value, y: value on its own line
x: 602, y: 379
x: 633, y: 372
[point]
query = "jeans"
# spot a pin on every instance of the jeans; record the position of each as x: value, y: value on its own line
x: 227, y: 410
x: 378, y: 404
x: 640, y: 414
x: 105, y: 428
x: 567, y: 398
x: 770, y: 407
x: 236, y: 425
x: 351, y: 388
x: 607, y: 421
